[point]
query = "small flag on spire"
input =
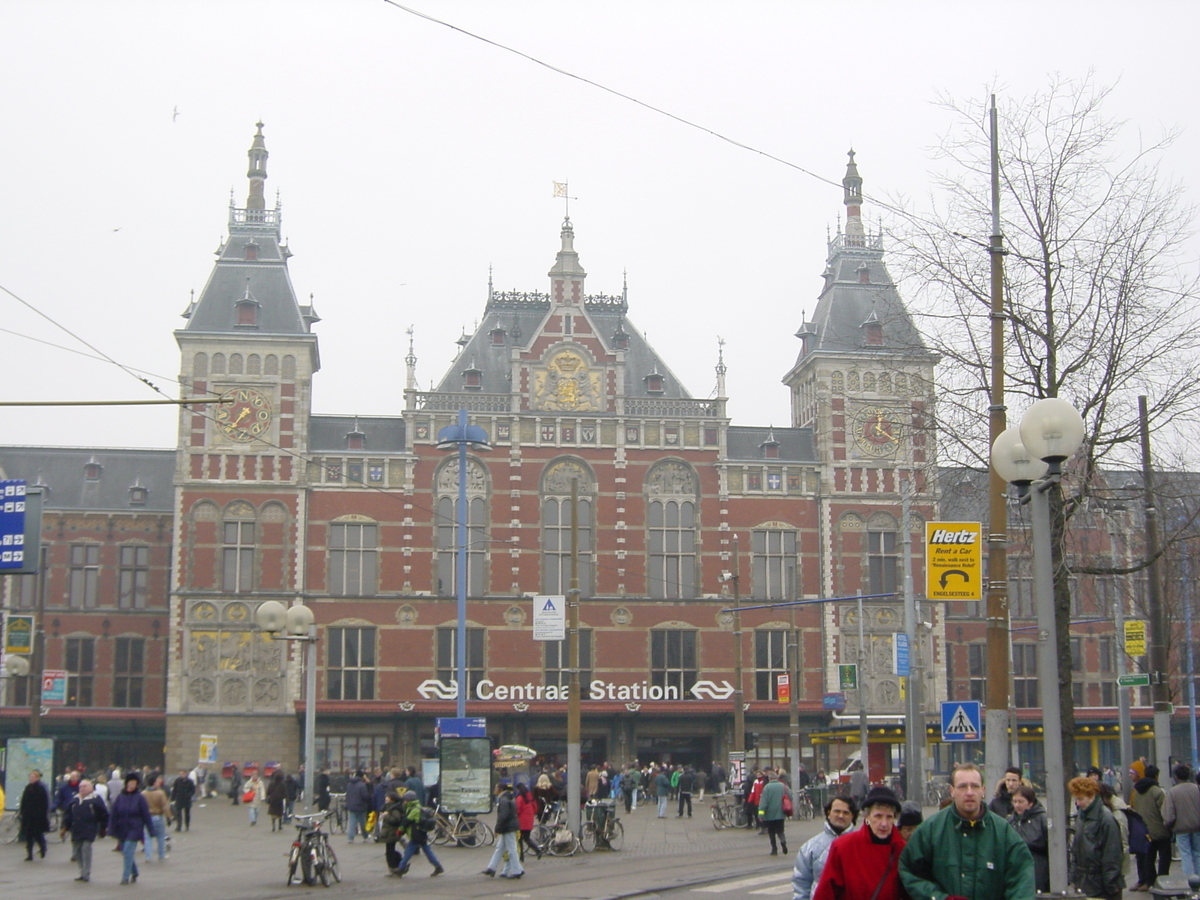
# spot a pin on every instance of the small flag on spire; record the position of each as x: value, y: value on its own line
x: 560, y: 188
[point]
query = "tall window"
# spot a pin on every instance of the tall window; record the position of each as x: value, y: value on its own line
x: 671, y: 573
x: 18, y: 692
x: 349, y: 752
x: 673, y: 662
x: 1025, y: 680
x: 447, y: 659
x: 447, y: 543
x: 558, y: 659
x: 774, y: 564
x: 1020, y: 590
x: 22, y: 591
x: 237, y: 561
x: 350, y: 667
x: 353, y: 559
x: 81, y: 664
x: 977, y: 670
x: 770, y: 661
x: 133, y: 580
x: 1107, y: 655
x: 881, y: 562
x: 1077, y: 654
x: 129, y: 667
x: 85, y: 575
x: 556, y: 545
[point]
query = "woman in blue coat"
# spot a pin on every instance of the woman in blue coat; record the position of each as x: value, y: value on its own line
x: 129, y: 819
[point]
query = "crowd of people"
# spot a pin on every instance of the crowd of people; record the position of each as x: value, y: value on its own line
x: 134, y: 808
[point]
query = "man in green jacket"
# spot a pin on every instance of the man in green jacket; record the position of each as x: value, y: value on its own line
x: 966, y: 852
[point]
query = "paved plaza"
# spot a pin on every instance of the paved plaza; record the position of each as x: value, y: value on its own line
x: 224, y: 858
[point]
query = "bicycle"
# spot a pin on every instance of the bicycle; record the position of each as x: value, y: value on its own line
x: 337, y: 809
x: 10, y: 827
x: 609, y: 833
x: 311, y: 852
x: 552, y: 833
x: 936, y: 792
x: 463, y: 830
x: 804, y: 808
x: 728, y: 811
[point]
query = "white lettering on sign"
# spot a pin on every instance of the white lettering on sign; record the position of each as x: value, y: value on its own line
x: 943, y: 536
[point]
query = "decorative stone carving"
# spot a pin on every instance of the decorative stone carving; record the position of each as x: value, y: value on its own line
x: 406, y: 616
x: 514, y: 616
x: 239, y: 509
x: 266, y: 692
x: 205, y: 512
x: 234, y: 693
x: 671, y: 478
x: 204, y: 611
x: 236, y: 612
x: 203, y: 691
x: 725, y: 619
x: 203, y: 651
x: 274, y: 513
x: 560, y: 475
x: 622, y: 616
x: 447, y: 482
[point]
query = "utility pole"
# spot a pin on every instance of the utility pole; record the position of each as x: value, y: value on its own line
x: 998, y: 639
x: 39, y: 647
x: 739, y: 705
x: 574, y: 710
x: 864, y: 754
x: 794, y: 669
x: 1124, y: 719
x: 914, y: 715
x: 1160, y: 689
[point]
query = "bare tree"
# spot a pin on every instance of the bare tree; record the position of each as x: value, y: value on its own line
x: 1097, y: 300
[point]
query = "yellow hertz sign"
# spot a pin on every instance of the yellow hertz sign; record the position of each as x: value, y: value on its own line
x: 953, y: 561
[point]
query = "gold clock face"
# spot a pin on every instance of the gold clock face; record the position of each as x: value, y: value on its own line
x: 876, y: 431
x: 243, y: 414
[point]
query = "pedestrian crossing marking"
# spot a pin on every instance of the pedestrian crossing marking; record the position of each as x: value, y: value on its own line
x: 743, y: 883
x: 777, y: 889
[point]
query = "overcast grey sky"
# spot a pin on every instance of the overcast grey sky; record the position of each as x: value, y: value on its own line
x: 410, y: 158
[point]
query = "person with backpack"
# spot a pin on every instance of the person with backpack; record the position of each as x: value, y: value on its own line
x: 417, y: 823
x: 1148, y: 799
x: 391, y: 829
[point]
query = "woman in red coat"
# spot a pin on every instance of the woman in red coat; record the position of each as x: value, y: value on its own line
x: 527, y: 810
x: 865, y: 864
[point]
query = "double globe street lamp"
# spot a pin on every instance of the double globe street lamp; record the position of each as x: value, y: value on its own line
x: 297, y: 623
x: 1030, y: 457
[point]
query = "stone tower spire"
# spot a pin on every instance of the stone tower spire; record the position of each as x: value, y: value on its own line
x: 258, y: 170
x: 567, y: 275
x: 852, y: 197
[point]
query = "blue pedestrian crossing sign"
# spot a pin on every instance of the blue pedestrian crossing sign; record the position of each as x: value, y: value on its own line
x: 960, y: 720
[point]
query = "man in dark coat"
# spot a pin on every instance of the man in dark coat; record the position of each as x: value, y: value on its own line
x: 34, y: 813
x: 1096, y: 861
x: 182, y: 791
x: 85, y: 817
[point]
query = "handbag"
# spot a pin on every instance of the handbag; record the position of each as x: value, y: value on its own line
x: 788, y: 809
x: 248, y: 797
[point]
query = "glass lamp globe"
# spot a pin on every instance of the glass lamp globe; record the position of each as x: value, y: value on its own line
x: 299, y: 618
x: 271, y: 616
x: 1013, y: 462
x: 1052, y: 429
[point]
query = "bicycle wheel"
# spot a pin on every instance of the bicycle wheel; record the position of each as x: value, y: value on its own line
x: 718, y: 818
x: 562, y: 842
x: 542, y: 836
x: 293, y: 863
x: 615, y: 835
x: 323, y: 866
x: 587, y: 840
x: 331, y: 863
x: 308, y: 855
x: 489, y: 836
x: 739, y: 817
x: 10, y: 828
x: 468, y: 833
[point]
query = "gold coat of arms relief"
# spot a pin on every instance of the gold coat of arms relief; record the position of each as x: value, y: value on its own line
x: 566, y: 384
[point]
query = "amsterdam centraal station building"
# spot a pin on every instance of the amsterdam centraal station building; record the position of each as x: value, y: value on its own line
x: 158, y: 559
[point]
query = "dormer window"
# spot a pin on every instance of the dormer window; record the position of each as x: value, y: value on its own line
x: 498, y: 336
x: 620, y: 340
x: 92, y: 470
x: 137, y: 495
x: 873, y: 334
x: 770, y: 447
x: 247, y: 313
x: 864, y: 274
x: 654, y: 383
x: 356, y: 440
x: 472, y: 379
x: 251, y: 250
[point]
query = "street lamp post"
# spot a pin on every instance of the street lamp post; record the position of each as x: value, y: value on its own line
x: 300, y: 624
x: 1031, y: 458
x: 460, y: 437
x: 739, y: 705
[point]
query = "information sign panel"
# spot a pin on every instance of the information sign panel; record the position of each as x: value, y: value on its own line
x: 953, y: 561
x: 466, y: 771
x: 1135, y: 637
x: 960, y: 720
x: 12, y: 524
x: 848, y: 677
x: 900, y: 657
x: 54, y: 687
x: 18, y: 634
x: 549, y: 618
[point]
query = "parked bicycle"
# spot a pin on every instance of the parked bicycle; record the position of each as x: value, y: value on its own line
x: 804, y: 808
x: 601, y: 828
x: 312, y: 853
x: 337, y: 810
x: 728, y: 811
x: 553, y: 835
x: 461, y: 829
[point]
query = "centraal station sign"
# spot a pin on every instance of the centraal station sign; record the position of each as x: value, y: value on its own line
x: 434, y: 689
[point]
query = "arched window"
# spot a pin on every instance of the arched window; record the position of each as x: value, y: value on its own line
x: 774, y: 562
x: 353, y: 558
x: 447, y: 528
x: 556, y: 527
x: 200, y: 365
x: 671, y: 489
x: 239, y: 536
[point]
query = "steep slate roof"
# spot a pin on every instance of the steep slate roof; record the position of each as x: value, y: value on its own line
x: 263, y: 279
x: 381, y: 434
x: 521, y: 314
x: 795, y: 444
x: 61, y: 469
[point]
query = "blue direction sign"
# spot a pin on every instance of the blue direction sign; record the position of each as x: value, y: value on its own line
x: 12, y: 524
x: 462, y: 728
x: 900, y: 654
x: 835, y: 700
x: 960, y: 720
